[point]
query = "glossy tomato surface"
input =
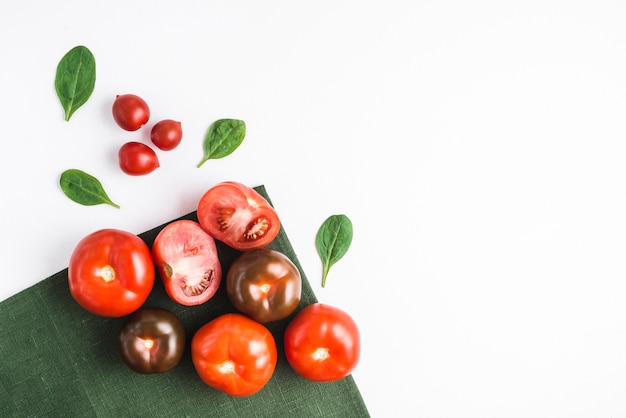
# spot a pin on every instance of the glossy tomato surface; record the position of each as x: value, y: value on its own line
x: 152, y: 341
x: 264, y: 284
x: 111, y: 272
x: 238, y: 216
x: 187, y: 261
x: 130, y: 111
x: 322, y: 343
x: 166, y: 134
x: 137, y: 159
x: 234, y: 354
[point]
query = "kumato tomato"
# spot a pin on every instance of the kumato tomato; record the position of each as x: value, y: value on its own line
x: 322, y: 343
x: 187, y: 261
x: 238, y: 216
x: 152, y: 341
x: 137, y: 159
x: 130, y: 111
x: 111, y: 272
x: 264, y: 284
x: 234, y: 354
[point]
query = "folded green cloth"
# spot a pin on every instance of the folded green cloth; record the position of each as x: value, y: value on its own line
x: 58, y: 360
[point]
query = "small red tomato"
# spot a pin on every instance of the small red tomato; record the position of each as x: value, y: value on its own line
x: 130, y: 111
x: 234, y: 354
x: 137, y: 159
x: 238, y: 216
x: 166, y: 134
x: 111, y: 272
x: 186, y: 258
x: 264, y: 284
x: 322, y: 343
x: 152, y: 341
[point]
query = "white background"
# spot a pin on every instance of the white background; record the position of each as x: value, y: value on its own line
x: 478, y: 147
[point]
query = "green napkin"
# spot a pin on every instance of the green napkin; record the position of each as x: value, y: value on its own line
x: 56, y: 359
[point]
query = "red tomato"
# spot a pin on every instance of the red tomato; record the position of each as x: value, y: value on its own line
x: 186, y: 259
x: 111, y: 273
x: 166, y: 134
x: 234, y: 354
x: 264, y: 284
x: 238, y: 216
x: 137, y: 159
x: 322, y: 343
x: 130, y: 111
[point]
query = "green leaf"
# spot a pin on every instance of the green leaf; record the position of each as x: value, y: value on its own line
x: 75, y: 79
x: 222, y: 138
x: 84, y: 188
x: 332, y: 241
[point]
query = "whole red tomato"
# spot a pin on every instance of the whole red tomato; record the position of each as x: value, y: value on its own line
x: 234, y: 354
x: 238, y: 216
x: 111, y: 272
x: 264, y: 284
x: 137, y: 159
x: 186, y: 259
x: 152, y: 341
x: 130, y: 111
x: 322, y: 343
x: 166, y: 134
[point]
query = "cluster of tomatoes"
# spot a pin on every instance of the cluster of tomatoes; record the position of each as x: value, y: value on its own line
x: 131, y: 113
x: 111, y: 273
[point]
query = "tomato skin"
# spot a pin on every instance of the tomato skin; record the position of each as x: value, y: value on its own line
x: 166, y: 134
x: 322, y: 343
x: 111, y: 272
x: 238, y: 216
x: 187, y: 261
x: 152, y: 341
x: 137, y: 159
x: 130, y: 111
x: 264, y: 284
x: 234, y: 354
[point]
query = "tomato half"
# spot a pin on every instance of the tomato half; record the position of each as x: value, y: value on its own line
x: 152, y: 341
x: 234, y: 354
x: 264, y: 284
x: 238, y: 216
x: 322, y: 343
x: 186, y: 259
x: 111, y: 272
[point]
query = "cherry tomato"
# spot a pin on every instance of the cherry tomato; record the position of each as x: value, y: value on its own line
x: 152, y: 341
x: 186, y: 259
x: 238, y: 216
x: 322, y: 343
x: 264, y: 284
x: 137, y: 159
x: 234, y: 354
x: 111, y: 272
x: 166, y: 134
x: 130, y: 111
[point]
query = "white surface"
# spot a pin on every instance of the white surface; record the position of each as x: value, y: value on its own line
x: 478, y: 147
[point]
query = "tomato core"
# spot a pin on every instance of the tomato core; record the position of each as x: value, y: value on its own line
x: 321, y: 354
x: 148, y: 343
x: 107, y: 273
x: 228, y: 367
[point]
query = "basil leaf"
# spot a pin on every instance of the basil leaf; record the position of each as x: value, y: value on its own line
x: 75, y: 79
x: 84, y: 188
x: 223, y: 137
x: 332, y: 241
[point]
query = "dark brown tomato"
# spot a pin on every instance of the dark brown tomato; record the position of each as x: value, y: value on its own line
x: 264, y: 284
x: 152, y: 341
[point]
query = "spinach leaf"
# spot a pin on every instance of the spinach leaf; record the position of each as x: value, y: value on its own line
x: 332, y: 241
x: 223, y: 137
x: 75, y: 79
x: 84, y: 188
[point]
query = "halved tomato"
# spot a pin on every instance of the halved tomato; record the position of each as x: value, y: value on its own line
x: 238, y: 216
x: 187, y: 261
